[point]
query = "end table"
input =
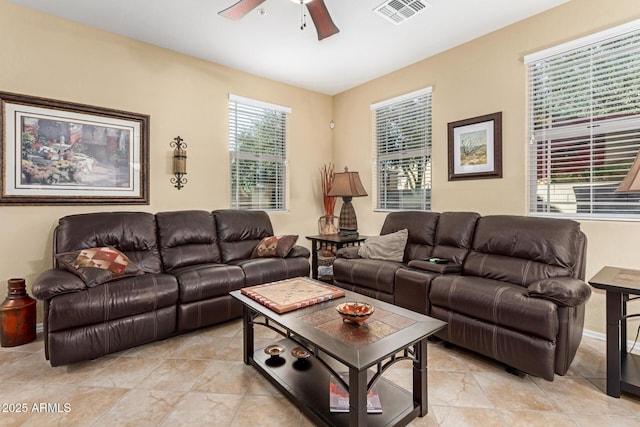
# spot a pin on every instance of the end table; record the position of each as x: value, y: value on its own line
x: 623, y: 368
x: 336, y: 240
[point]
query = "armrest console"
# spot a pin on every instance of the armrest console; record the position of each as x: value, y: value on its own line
x: 446, y: 268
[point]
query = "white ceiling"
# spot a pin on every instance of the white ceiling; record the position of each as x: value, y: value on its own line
x: 272, y: 45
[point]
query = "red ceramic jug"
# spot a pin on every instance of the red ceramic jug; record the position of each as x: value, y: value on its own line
x: 17, y: 316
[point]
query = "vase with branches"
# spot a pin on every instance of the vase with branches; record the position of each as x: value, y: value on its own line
x: 328, y: 223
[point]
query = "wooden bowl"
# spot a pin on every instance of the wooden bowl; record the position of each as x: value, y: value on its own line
x: 356, y: 312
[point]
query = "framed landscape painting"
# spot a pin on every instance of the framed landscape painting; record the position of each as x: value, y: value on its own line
x: 56, y: 152
x: 475, y: 147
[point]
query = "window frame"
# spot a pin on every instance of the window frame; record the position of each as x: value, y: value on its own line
x: 600, y: 141
x: 380, y: 203
x: 253, y: 108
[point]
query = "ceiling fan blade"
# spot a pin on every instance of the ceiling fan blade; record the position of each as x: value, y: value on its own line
x: 321, y: 19
x: 240, y: 9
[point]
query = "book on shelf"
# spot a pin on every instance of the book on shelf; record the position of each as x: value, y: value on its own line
x: 339, y: 397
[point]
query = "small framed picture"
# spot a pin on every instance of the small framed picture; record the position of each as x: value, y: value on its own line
x: 475, y: 147
x: 56, y: 152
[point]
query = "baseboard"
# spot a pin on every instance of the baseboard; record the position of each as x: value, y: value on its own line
x: 603, y: 337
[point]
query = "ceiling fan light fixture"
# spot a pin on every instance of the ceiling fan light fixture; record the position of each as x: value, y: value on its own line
x: 302, y: 1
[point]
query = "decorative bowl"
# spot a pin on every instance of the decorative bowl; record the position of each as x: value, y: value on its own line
x: 356, y: 312
x: 274, y: 350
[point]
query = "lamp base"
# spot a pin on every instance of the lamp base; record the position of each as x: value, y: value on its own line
x: 348, y: 221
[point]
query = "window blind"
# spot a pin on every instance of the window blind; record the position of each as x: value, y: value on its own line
x: 402, y: 166
x: 584, y: 127
x: 257, y: 148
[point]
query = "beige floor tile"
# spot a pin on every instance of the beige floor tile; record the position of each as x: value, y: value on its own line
x: 538, y: 418
x: 456, y: 359
x: 35, y: 346
x: 428, y: 420
x: 456, y: 389
x: 174, y: 374
x: 124, y: 372
x: 81, y: 406
x: 261, y: 386
x: 602, y: 420
x: 588, y: 364
x: 447, y: 416
x: 202, y: 347
x: 579, y: 396
x: 199, y: 409
x: 20, y: 399
x: 164, y: 348
x: 225, y: 377
x: 224, y: 330
x: 506, y: 391
x: 140, y: 408
x: 267, y: 411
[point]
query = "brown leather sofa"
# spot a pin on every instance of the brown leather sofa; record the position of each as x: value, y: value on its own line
x: 513, y: 288
x: 190, y: 260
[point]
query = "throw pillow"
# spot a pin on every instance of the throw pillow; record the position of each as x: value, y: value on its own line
x: 275, y: 246
x: 96, y: 266
x: 389, y: 247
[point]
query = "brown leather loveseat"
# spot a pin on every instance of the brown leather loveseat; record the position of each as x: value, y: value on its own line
x: 187, y: 262
x: 512, y: 287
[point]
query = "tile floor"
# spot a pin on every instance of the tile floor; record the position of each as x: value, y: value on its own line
x: 199, y: 379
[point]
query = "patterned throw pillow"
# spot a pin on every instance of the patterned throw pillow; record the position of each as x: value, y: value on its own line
x: 274, y: 246
x: 98, y: 265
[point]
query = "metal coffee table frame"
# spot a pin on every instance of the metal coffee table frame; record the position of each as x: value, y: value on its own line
x: 306, y: 384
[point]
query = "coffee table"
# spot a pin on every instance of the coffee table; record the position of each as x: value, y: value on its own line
x: 392, y: 334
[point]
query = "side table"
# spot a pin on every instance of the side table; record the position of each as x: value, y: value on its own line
x: 623, y: 368
x: 335, y: 240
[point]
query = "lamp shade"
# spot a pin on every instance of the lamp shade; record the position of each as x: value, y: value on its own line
x: 347, y: 184
x: 631, y: 182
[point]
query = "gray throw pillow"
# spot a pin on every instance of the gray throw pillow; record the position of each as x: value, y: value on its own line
x: 389, y: 247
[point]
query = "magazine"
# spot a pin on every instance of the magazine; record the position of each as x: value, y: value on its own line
x: 339, y: 397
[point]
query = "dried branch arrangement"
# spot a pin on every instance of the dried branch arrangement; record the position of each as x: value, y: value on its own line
x: 326, y: 173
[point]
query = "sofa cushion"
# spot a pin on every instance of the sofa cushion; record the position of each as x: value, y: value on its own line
x: 378, y: 275
x: 422, y: 231
x: 264, y: 270
x: 454, y: 235
x: 388, y: 247
x: 274, y: 246
x: 187, y: 238
x: 497, y: 303
x: 204, y: 281
x: 96, y: 266
x: 132, y: 233
x: 122, y: 298
x: 239, y: 232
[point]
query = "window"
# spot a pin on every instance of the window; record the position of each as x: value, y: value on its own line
x: 257, y: 147
x: 402, y: 137
x: 584, y: 125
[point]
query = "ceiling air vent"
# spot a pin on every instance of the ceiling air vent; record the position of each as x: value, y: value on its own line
x: 398, y: 11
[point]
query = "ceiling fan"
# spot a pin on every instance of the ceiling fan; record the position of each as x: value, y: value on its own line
x: 317, y: 9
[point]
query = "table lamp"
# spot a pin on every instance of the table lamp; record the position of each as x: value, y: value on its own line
x: 347, y: 185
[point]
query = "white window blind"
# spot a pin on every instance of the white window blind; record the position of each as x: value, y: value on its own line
x: 257, y: 147
x: 402, y: 138
x: 584, y: 126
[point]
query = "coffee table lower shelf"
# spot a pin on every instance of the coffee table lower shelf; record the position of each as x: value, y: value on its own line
x: 308, y: 389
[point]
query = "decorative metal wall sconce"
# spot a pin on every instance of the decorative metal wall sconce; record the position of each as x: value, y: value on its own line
x: 179, y: 162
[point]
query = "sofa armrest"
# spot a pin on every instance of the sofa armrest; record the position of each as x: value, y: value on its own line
x: 56, y: 282
x: 299, y: 251
x: 446, y: 268
x: 348, y: 252
x: 565, y: 291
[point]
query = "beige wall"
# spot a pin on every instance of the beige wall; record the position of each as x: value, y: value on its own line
x: 481, y: 77
x: 53, y: 58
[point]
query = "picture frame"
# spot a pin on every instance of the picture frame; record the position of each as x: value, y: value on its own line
x: 64, y: 153
x: 475, y: 147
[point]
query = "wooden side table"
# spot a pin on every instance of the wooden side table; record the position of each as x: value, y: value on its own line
x: 334, y: 240
x: 623, y: 368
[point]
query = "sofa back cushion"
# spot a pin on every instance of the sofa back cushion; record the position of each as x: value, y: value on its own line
x: 422, y: 231
x: 187, y: 238
x: 522, y: 250
x: 132, y: 233
x: 454, y: 235
x: 240, y: 231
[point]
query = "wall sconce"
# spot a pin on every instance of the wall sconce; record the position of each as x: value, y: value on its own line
x: 179, y: 162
